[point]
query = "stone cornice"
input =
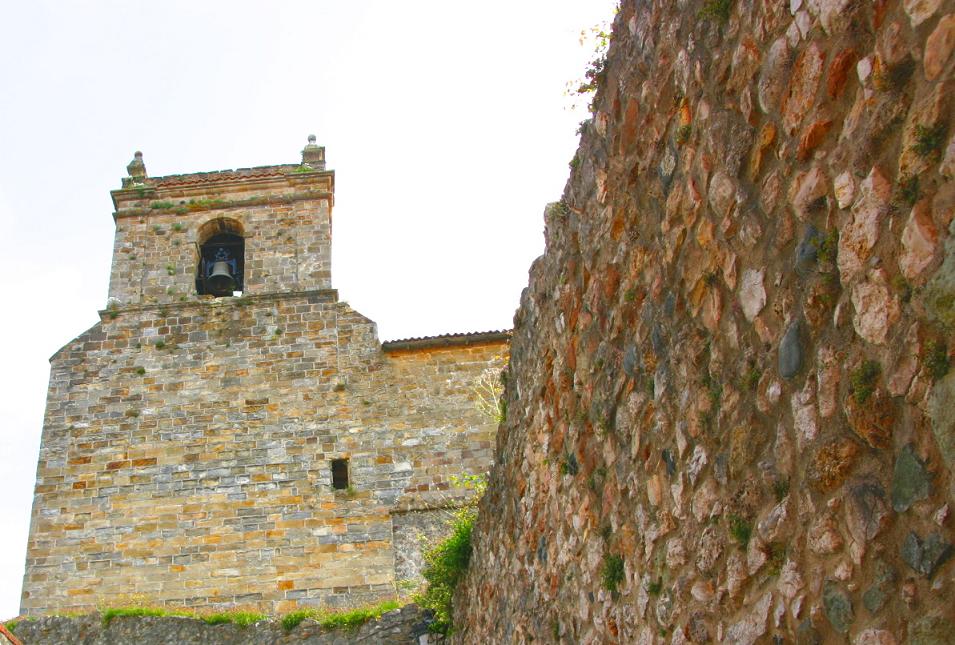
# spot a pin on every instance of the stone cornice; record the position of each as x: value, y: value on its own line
x: 322, y: 295
x: 135, y: 199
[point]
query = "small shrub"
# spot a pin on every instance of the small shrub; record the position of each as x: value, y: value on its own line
x: 936, y: 359
x: 157, y: 229
x: 177, y: 227
x: 718, y: 10
x: 568, y: 465
x: 654, y: 588
x: 740, y: 530
x: 170, y: 269
x: 751, y: 379
x: 903, y: 287
x: 160, y: 344
x: 445, y: 565
x: 161, y: 205
x: 829, y: 246
x: 781, y: 489
x: 611, y: 575
x: 683, y: 133
x: 776, y: 559
x: 141, y: 370
x: 862, y: 380
x: 928, y: 139
x: 909, y: 189
x: 893, y: 78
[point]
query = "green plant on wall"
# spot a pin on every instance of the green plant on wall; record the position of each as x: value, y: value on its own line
x: 447, y: 561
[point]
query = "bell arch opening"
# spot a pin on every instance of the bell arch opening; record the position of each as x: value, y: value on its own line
x: 221, y: 267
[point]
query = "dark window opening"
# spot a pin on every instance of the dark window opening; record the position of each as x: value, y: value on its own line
x: 221, y: 265
x: 339, y: 474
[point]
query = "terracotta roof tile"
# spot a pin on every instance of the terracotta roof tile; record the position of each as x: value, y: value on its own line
x: 221, y: 175
x: 447, y: 340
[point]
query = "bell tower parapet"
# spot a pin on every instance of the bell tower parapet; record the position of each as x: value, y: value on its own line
x: 284, y: 213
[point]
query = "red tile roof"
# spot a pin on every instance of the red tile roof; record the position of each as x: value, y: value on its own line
x: 259, y: 172
x: 447, y: 340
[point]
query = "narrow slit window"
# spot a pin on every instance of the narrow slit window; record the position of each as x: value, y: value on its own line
x: 339, y: 474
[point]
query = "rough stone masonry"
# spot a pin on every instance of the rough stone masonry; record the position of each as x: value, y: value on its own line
x: 189, y: 439
x: 731, y: 402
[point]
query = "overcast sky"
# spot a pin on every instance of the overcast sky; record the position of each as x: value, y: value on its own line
x: 446, y: 123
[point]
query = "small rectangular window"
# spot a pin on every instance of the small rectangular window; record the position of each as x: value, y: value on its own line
x: 339, y: 474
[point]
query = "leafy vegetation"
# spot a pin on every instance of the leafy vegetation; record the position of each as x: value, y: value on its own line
x: 928, y: 139
x: 240, y: 618
x: 936, y: 359
x: 447, y: 561
x: 862, y: 380
x: 348, y: 619
x: 741, y: 530
x: 909, y: 189
x: 611, y: 575
x: 718, y: 10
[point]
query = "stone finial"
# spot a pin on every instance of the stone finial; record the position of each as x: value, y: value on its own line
x: 313, y: 155
x: 136, y: 168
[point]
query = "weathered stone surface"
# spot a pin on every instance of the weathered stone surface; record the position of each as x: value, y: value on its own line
x: 920, y: 10
x: 791, y: 351
x: 876, y: 308
x: 803, y: 84
x: 873, y: 419
x: 206, y: 428
x: 839, y: 70
x: 911, y: 481
x: 753, y: 625
x: 397, y: 627
x: 941, y: 402
x: 931, y: 630
x: 772, y: 78
x: 857, y: 239
x: 812, y: 138
x: 782, y: 449
x: 844, y: 189
x: 752, y: 295
x: 867, y: 512
x: 919, y: 241
x: 939, y: 46
x: 807, y: 191
x: 939, y: 295
x: 838, y: 607
x: 926, y: 556
x: 874, y: 637
x: 824, y: 538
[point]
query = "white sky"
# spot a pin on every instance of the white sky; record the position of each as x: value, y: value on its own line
x: 446, y: 122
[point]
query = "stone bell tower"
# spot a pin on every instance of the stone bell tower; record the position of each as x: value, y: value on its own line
x: 278, y: 220
x: 230, y: 433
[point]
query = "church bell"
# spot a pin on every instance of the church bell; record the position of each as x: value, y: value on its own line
x: 220, y: 281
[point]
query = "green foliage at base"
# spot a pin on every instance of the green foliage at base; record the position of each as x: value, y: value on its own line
x: 348, y: 619
x: 445, y: 566
x: 447, y: 561
x: 139, y: 612
x: 240, y: 618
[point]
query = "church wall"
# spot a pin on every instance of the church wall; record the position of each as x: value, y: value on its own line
x: 186, y: 455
